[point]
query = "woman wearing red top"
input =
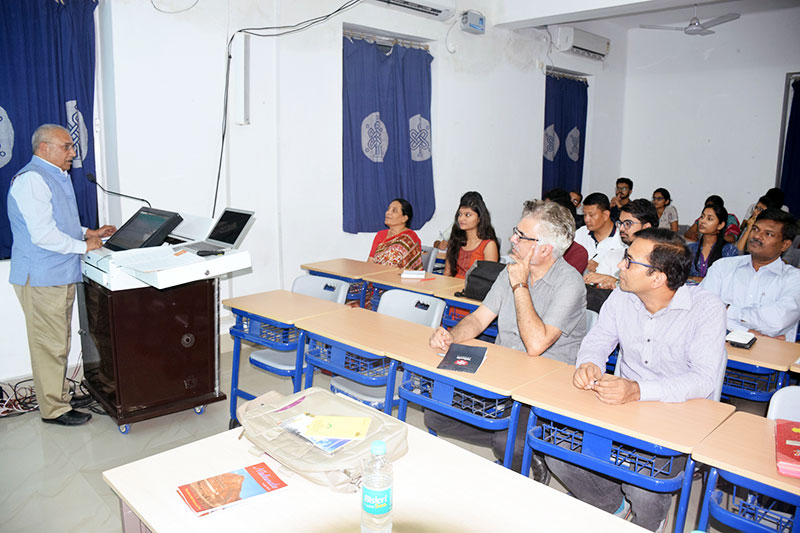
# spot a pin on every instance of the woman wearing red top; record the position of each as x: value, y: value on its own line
x: 397, y: 246
x: 472, y: 237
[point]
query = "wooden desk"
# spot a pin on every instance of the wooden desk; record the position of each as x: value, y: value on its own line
x: 744, y: 445
x: 756, y: 374
x: 268, y: 319
x: 347, y: 268
x: 429, y: 285
x: 795, y: 367
x: 643, y: 429
x: 437, y: 487
x: 767, y: 353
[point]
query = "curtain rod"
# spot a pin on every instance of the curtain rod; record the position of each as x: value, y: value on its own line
x: 559, y: 74
x: 386, y: 41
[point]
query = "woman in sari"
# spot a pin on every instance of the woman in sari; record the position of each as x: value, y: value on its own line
x: 397, y: 246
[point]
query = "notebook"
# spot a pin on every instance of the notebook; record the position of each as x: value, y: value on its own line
x: 227, y: 233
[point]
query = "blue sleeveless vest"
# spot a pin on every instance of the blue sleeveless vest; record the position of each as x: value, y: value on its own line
x: 28, y: 261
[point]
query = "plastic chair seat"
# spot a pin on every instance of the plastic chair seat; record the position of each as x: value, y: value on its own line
x: 274, y: 360
x: 372, y: 396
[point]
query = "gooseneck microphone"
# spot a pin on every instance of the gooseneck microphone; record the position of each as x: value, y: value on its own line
x: 92, y: 179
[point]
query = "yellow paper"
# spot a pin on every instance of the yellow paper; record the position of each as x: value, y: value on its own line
x: 339, y: 427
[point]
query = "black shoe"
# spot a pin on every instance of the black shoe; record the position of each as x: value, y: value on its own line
x: 70, y: 418
x: 79, y: 401
x: 541, y: 473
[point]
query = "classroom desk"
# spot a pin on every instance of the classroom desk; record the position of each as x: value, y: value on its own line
x: 349, y: 270
x: 457, y: 307
x: 756, y: 374
x: 744, y: 447
x: 485, y: 394
x: 268, y: 319
x: 437, y: 487
x: 607, y: 433
x: 383, y: 281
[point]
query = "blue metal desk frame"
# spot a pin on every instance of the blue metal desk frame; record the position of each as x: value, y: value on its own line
x: 443, y: 394
x: 272, y: 334
x: 607, y: 452
x: 751, y: 382
x: 489, y: 334
x: 750, y: 512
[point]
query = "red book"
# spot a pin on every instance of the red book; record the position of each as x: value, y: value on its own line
x: 787, y: 447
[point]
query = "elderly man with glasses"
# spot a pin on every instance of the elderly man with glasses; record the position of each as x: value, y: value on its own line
x: 540, y: 305
x: 45, y: 266
x: 672, y: 349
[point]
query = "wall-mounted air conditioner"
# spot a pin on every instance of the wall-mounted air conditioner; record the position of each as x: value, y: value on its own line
x: 438, y: 9
x: 575, y: 41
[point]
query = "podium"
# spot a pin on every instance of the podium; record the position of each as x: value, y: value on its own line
x: 150, y: 339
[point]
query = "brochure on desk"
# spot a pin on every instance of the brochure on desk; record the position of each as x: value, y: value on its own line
x: 225, y: 490
x: 787, y: 447
x: 463, y: 358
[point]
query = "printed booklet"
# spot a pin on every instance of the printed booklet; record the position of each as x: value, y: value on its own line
x: 463, y: 358
x: 224, y: 490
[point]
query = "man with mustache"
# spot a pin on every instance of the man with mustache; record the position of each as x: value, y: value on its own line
x: 622, y: 196
x: 761, y: 291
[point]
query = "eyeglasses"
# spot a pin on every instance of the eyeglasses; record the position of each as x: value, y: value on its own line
x: 629, y: 261
x: 626, y: 224
x: 623, y: 188
x: 66, y: 146
x: 658, y: 198
x: 521, y: 236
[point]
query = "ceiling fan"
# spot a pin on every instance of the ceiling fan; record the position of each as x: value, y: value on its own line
x: 696, y: 27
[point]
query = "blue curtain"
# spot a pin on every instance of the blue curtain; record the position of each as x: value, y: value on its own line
x: 386, y: 134
x: 46, y: 76
x: 565, y: 107
x: 790, y: 174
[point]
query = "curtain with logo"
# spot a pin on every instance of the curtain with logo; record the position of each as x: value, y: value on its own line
x: 386, y: 134
x: 790, y: 173
x: 566, y: 101
x: 46, y: 76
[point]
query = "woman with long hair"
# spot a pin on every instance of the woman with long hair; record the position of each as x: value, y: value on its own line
x: 711, y: 244
x: 667, y: 214
x: 472, y: 238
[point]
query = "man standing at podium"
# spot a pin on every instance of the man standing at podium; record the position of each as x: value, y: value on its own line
x: 45, y: 266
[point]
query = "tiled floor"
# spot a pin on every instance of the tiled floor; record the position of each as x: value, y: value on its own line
x: 52, y: 475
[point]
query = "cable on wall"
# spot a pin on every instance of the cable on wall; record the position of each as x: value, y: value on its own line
x: 184, y: 10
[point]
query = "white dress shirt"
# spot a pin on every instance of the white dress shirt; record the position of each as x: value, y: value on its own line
x: 607, y: 253
x: 33, y: 199
x: 767, y: 301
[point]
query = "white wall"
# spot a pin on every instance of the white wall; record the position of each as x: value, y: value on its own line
x: 703, y: 114
x: 163, y: 82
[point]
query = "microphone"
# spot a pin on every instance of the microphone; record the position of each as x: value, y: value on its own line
x: 92, y: 179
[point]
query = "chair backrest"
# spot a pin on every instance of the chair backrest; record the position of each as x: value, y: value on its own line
x: 414, y: 307
x: 429, y: 254
x: 334, y: 290
x: 785, y: 403
x: 591, y: 319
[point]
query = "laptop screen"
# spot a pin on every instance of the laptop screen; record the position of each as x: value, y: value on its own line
x: 229, y: 227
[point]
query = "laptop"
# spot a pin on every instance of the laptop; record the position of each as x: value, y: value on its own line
x: 227, y: 233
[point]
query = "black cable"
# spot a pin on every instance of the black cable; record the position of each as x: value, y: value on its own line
x: 294, y: 28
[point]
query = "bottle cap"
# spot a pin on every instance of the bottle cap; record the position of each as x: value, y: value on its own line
x: 378, y: 447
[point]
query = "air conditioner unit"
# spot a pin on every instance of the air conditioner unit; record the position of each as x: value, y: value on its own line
x: 579, y: 42
x: 438, y: 9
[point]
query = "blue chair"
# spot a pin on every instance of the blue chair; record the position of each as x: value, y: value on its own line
x: 367, y: 377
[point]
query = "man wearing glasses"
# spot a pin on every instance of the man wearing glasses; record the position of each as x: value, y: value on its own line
x: 45, y: 265
x: 622, y: 195
x: 672, y: 349
x: 633, y: 216
x: 540, y: 305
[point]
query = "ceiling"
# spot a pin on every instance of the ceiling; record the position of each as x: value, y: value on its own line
x: 705, y: 11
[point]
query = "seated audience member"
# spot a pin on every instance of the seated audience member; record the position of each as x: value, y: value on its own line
x: 622, y: 195
x: 711, y: 245
x: 765, y: 202
x: 472, y: 237
x: 577, y: 198
x: 732, y: 229
x: 398, y: 245
x: 667, y: 214
x: 540, y: 305
x: 576, y: 255
x: 761, y: 291
x: 776, y: 198
x: 599, y: 236
x: 672, y: 341
x: 633, y: 216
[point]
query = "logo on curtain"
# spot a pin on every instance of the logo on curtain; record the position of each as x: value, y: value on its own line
x: 551, y: 143
x: 6, y: 138
x: 77, y: 130
x: 573, y: 144
x: 419, y: 138
x: 374, y: 139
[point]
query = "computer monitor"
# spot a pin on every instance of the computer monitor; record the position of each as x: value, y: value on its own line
x: 147, y: 227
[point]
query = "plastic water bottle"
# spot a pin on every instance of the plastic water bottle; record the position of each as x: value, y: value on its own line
x: 376, y: 492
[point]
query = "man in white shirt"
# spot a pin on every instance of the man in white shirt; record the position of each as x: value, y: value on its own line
x: 45, y: 266
x: 761, y: 291
x: 600, y: 236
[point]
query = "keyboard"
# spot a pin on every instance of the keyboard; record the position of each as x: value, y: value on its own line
x: 202, y: 245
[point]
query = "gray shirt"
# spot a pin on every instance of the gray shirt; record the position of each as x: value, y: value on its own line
x: 559, y: 299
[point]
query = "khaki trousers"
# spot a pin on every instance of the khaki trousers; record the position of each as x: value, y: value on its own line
x: 48, y: 319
